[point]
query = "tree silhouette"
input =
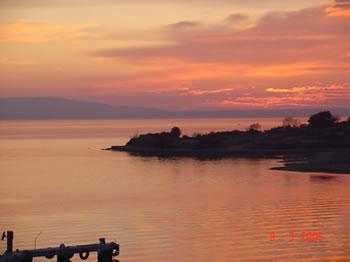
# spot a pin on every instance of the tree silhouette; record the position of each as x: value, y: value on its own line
x: 322, y: 119
x: 175, y: 132
x: 254, y: 127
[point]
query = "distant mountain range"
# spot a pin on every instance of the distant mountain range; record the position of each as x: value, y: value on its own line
x: 61, y: 108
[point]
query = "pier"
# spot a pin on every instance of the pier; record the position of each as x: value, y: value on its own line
x: 106, y: 252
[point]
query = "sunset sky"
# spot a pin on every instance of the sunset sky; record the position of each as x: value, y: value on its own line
x: 184, y: 54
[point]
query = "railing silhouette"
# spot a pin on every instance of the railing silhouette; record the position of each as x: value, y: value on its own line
x: 105, y: 251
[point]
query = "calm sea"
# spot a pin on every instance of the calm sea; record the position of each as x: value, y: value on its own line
x: 55, y: 180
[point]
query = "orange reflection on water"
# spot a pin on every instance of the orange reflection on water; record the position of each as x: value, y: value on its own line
x: 178, y: 209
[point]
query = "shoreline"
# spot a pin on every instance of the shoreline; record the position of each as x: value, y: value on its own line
x: 322, y: 145
x: 325, y: 160
x: 321, y: 168
x: 228, y: 152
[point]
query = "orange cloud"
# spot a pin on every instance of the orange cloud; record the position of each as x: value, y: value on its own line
x: 272, y: 101
x: 290, y: 45
x: 201, y: 64
x: 189, y: 91
x: 301, y: 96
x: 338, y: 11
x: 297, y: 96
x: 216, y: 65
x: 200, y: 92
x: 34, y: 32
x: 301, y: 89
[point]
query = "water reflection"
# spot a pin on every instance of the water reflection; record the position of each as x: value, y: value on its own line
x: 323, y: 178
x: 168, y: 209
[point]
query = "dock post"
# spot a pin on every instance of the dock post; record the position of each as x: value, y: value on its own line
x: 9, y: 237
x: 27, y: 258
x: 104, y: 254
x: 64, y: 256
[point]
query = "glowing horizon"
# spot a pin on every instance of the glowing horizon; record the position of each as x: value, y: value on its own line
x: 183, y: 55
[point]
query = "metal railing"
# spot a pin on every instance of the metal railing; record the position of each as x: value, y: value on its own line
x: 105, y: 251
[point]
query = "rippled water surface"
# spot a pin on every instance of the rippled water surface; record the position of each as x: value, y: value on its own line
x: 55, y: 180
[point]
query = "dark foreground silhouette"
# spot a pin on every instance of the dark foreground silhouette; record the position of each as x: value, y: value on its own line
x: 106, y: 252
x: 321, y: 145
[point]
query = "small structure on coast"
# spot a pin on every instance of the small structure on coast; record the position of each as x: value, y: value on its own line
x: 105, y: 251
